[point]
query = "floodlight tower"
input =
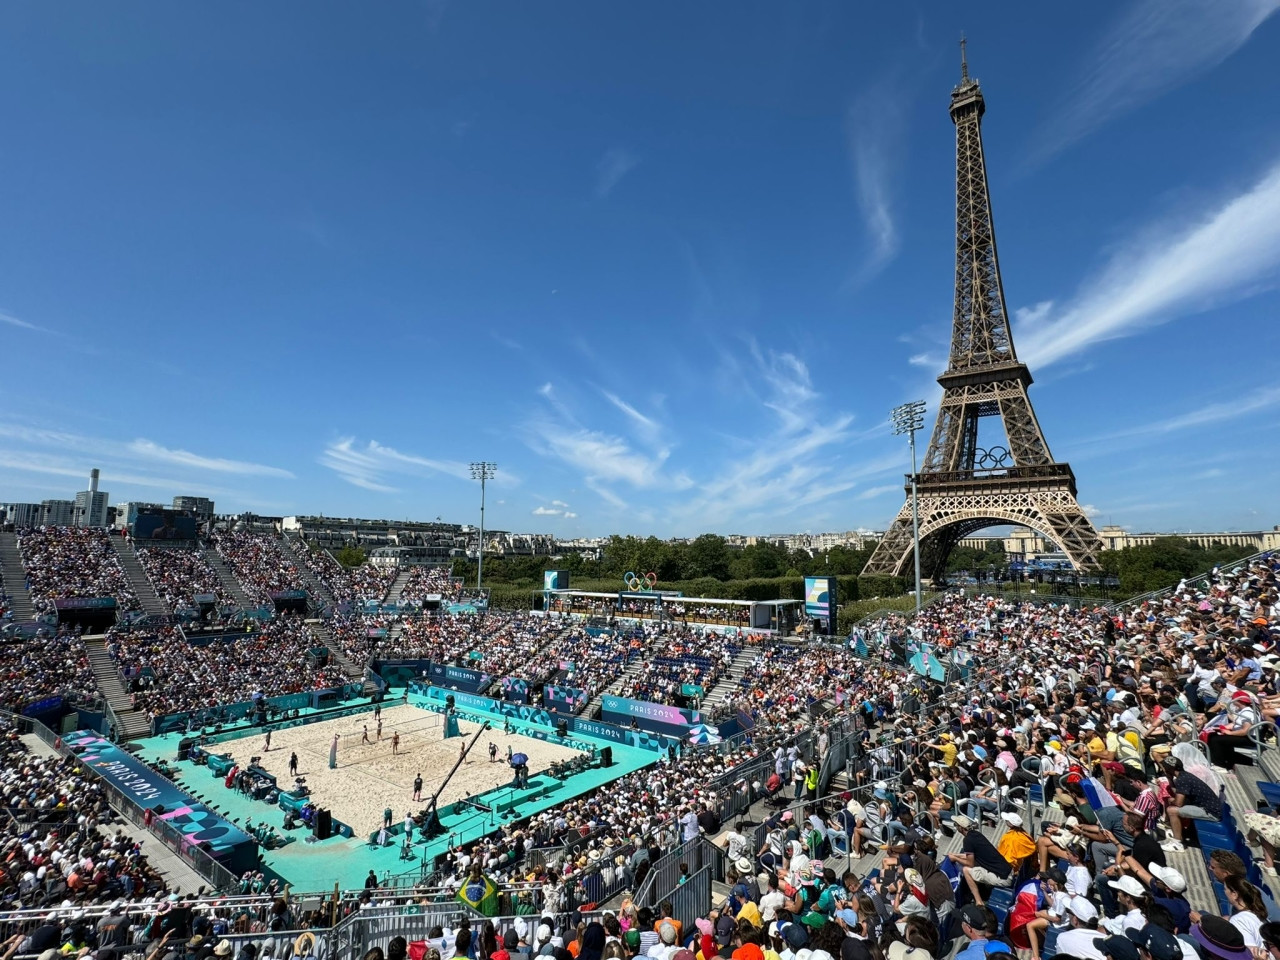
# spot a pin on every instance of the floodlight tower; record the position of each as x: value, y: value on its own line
x: 482, y: 470
x: 907, y: 419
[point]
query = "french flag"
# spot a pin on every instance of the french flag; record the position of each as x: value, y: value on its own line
x: 1030, y: 899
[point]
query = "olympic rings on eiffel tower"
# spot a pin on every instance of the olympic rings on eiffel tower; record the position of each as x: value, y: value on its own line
x: 991, y: 459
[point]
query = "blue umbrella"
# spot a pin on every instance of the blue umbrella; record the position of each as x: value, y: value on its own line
x: 519, y: 759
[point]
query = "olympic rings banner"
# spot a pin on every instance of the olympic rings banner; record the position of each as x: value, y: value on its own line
x: 640, y: 583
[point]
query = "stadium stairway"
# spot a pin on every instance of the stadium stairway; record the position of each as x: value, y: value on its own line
x: 325, y: 636
x: 731, y: 679
x: 138, y: 579
x: 396, y: 590
x: 294, y: 547
x: 592, y: 709
x: 133, y: 723
x: 14, y: 578
x: 227, y: 578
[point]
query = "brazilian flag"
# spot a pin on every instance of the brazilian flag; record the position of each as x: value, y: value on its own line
x: 480, y: 895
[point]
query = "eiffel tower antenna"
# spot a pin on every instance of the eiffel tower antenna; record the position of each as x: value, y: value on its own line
x: 963, y: 487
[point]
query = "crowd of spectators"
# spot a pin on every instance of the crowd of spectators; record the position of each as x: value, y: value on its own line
x: 179, y: 575
x: 426, y: 582
x: 167, y: 674
x: 49, y: 664
x: 682, y: 658
x: 348, y: 584
x: 499, y: 643
x: 67, y: 562
x: 260, y: 562
x: 587, y: 661
x: 58, y: 846
x: 1120, y: 729
x: 1128, y: 723
x: 734, y: 615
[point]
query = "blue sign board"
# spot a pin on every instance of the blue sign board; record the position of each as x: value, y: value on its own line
x: 148, y: 790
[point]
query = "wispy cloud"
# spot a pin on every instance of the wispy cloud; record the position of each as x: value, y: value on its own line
x: 507, y: 342
x: 923, y: 360
x: 616, y: 163
x: 558, y: 508
x: 872, y: 492
x: 604, y: 457
x: 875, y: 128
x: 645, y: 426
x: 37, y: 450
x: 1231, y: 252
x: 1153, y: 48
x: 635, y: 470
x: 372, y: 465
x: 148, y: 450
x: 1261, y: 399
x: 21, y: 324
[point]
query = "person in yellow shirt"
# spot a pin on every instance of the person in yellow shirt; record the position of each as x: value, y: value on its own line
x: 1016, y: 844
x: 948, y: 750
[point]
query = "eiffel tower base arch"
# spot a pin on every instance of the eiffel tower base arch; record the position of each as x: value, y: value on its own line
x: 948, y: 517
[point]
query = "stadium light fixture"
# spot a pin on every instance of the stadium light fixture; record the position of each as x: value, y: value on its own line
x: 482, y: 470
x: 907, y: 419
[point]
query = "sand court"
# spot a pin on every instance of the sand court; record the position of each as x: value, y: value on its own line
x: 369, y: 777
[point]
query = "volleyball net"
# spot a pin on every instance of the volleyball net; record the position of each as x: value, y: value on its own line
x: 354, y: 748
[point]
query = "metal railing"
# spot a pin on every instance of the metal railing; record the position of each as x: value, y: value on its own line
x: 218, y: 876
x: 664, y: 879
x: 1230, y: 566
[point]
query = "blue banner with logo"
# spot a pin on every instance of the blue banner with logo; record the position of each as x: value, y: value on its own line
x: 545, y: 720
x: 472, y: 681
x: 148, y: 790
x: 657, y: 717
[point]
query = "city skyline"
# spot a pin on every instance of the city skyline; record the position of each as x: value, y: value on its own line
x: 320, y: 264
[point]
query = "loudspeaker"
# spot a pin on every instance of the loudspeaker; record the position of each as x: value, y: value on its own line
x: 184, y: 747
x: 323, y: 823
x: 606, y: 756
x: 562, y: 728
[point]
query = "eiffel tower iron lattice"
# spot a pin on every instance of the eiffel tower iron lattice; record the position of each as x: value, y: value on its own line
x: 963, y: 487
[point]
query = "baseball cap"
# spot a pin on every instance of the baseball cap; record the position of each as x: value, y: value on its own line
x: 1083, y: 909
x: 975, y: 916
x: 795, y: 935
x: 847, y: 916
x: 1160, y: 943
x: 1170, y: 877
x: 1127, y: 885
x: 1118, y: 948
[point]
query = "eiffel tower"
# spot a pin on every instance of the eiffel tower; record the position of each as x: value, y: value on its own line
x: 963, y: 487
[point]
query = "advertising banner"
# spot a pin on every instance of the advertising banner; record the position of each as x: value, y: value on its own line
x: 473, y: 681
x: 563, y: 699
x: 515, y: 689
x: 147, y: 789
x: 85, y: 603
x: 657, y: 717
x: 544, y: 721
x: 820, y: 601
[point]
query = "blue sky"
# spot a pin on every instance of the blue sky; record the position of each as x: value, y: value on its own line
x: 669, y: 265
